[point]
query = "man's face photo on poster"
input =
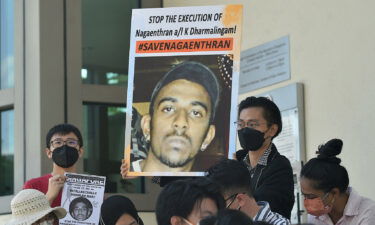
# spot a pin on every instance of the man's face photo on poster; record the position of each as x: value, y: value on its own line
x: 80, y: 209
x: 179, y: 124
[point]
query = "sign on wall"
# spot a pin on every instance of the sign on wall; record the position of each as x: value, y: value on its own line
x: 265, y: 65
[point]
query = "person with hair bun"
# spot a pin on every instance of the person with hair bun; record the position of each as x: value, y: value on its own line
x: 328, y: 199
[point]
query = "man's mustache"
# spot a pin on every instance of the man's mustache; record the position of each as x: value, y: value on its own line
x: 178, y: 135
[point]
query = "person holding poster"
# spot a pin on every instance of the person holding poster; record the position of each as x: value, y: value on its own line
x: 179, y: 122
x: 232, y: 177
x: 188, y: 201
x: 64, y: 147
x: 259, y: 122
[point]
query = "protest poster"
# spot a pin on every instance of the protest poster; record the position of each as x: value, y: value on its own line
x: 82, y: 198
x: 182, y: 89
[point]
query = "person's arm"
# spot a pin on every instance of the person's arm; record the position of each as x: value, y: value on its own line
x: 277, y: 187
x: 277, y: 219
x: 55, y: 184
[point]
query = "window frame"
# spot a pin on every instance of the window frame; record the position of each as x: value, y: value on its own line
x: 13, y: 98
x: 79, y: 94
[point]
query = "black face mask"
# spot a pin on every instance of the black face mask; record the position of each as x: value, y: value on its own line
x: 65, y: 156
x: 250, y: 139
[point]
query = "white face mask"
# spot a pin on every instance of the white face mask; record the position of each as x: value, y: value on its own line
x: 47, y: 222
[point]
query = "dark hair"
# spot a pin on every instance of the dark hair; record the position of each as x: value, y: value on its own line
x: 232, y: 177
x: 116, y: 206
x: 195, y: 72
x: 261, y: 223
x: 181, y: 196
x: 271, y: 112
x: 325, y: 170
x: 227, y: 217
x: 63, y: 129
x: 84, y: 201
x: 210, y: 220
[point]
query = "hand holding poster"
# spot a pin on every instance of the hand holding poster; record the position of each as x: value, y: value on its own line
x: 183, y: 74
x: 82, y: 197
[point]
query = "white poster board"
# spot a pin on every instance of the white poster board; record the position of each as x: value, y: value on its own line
x: 82, y: 198
x: 287, y: 141
x: 204, y: 38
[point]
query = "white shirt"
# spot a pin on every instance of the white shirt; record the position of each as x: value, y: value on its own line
x: 358, y: 211
x: 265, y: 214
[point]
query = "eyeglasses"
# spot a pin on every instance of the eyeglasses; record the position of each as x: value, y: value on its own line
x: 232, y: 197
x: 59, y: 142
x: 251, y: 123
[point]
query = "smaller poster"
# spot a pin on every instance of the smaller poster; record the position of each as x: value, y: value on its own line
x: 82, y: 198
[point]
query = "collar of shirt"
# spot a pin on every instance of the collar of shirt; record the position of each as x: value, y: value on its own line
x: 262, y: 160
x: 263, y: 211
x: 352, y: 206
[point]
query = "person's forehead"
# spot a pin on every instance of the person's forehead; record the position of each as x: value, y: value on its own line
x: 252, y: 113
x: 206, y: 205
x: 126, y: 219
x: 70, y: 135
x: 185, y: 87
x: 307, y: 186
x: 80, y: 204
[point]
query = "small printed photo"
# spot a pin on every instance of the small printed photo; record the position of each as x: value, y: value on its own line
x: 80, y: 209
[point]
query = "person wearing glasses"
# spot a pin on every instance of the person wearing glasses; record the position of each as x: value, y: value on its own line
x: 64, y: 146
x: 328, y: 199
x: 232, y: 178
x: 271, y: 175
x: 186, y: 202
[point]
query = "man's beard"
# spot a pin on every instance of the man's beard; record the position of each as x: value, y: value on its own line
x: 178, y: 164
x: 165, y: 159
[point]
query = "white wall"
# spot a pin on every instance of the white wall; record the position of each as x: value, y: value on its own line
x: 332, y: 47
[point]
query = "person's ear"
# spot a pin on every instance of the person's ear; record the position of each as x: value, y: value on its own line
x: 209, y: 137
x: 81, y: 151
x: 48, y: 153
x: 273, y: 130
x: 176, y: 220
x: 146, y: 126
x: 335, y: 192
x: 241, y: 199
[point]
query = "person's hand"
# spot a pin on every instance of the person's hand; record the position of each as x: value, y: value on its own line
x: 55, y: 184
x: 124, y: 169
x: 234, y: 156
